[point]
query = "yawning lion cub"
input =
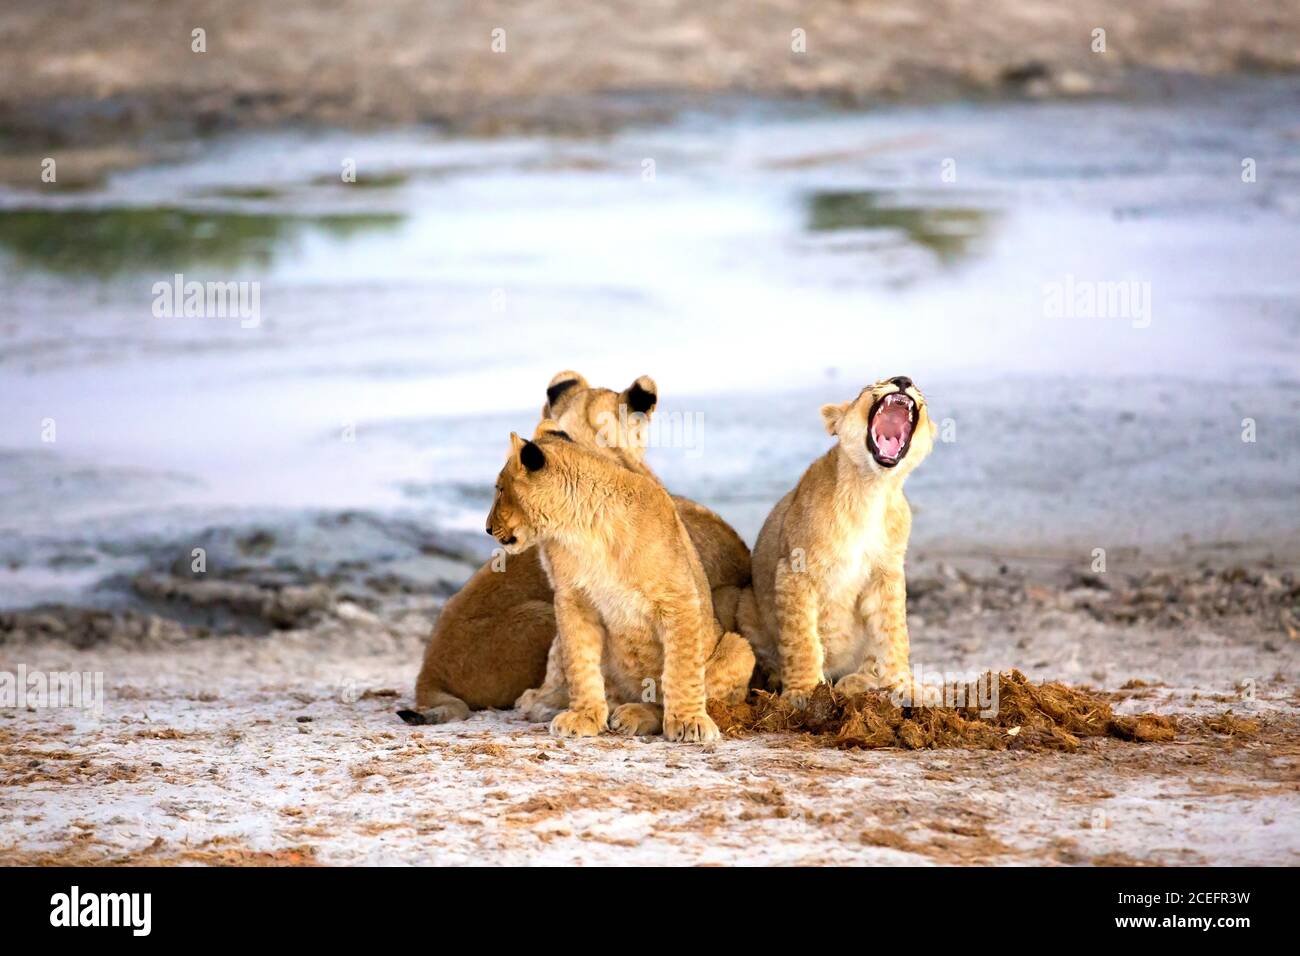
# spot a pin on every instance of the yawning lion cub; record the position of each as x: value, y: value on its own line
x: 829, y: 600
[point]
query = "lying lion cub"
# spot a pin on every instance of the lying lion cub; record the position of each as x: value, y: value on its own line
x: 632, y: 604
x: 829, y: 601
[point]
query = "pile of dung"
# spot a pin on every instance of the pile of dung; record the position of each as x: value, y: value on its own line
x: 1028, y: 716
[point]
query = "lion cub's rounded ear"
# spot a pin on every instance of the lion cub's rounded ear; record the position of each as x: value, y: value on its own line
x: 532, y: 457
x: 548, y: 426
x: 641, y: 396
x: 832, y: 415
x: 516, y: 443
x: 561, y: 382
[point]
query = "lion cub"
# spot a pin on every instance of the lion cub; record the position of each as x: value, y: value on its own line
x: 493, y: 643
x: 632, y: 604
x: 829, y: 601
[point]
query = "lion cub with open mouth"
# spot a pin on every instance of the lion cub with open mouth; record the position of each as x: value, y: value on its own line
x: 829, y: 601
x: 633, y: 609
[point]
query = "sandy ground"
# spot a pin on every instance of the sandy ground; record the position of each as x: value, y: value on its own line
x: 79, y: 70
x: 261, y: 727
x: 287, y: 750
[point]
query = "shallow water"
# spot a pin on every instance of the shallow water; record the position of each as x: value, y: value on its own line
x: 774, y: 260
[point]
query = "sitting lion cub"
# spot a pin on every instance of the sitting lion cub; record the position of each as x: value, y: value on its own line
x: 632, y: 604
x: 829, y: 601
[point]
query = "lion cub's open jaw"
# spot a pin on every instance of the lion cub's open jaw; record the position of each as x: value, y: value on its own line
x: 889, y: 430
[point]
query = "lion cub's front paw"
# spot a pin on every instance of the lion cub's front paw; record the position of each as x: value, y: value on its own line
x: 577, y: 723
x: 636, y: 720
x: 850, y: 685
x: 537, y: 705
x: 798, y: 697
x: 692, y: 728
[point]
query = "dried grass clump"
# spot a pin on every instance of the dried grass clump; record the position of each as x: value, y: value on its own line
x: 1049, y: 716
x: 1230, y: 724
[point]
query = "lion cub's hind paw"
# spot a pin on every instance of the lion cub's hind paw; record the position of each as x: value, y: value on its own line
x: 577, y: 723
x: 538, y: 705
x: 694, y: 729
x: 636, y: 720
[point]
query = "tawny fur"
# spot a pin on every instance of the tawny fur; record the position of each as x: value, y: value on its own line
x: 633, y: 606
x: 829, y: 599
x: 490, y: 644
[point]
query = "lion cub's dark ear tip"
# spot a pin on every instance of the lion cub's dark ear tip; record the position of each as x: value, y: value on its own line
x: 558, y: 389
x: 641, y: 399
x: 532, y: 457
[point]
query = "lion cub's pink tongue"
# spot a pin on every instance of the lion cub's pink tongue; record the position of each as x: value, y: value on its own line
x: 890, y: 428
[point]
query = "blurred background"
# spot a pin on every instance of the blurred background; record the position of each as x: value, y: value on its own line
x: 763, y: 206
